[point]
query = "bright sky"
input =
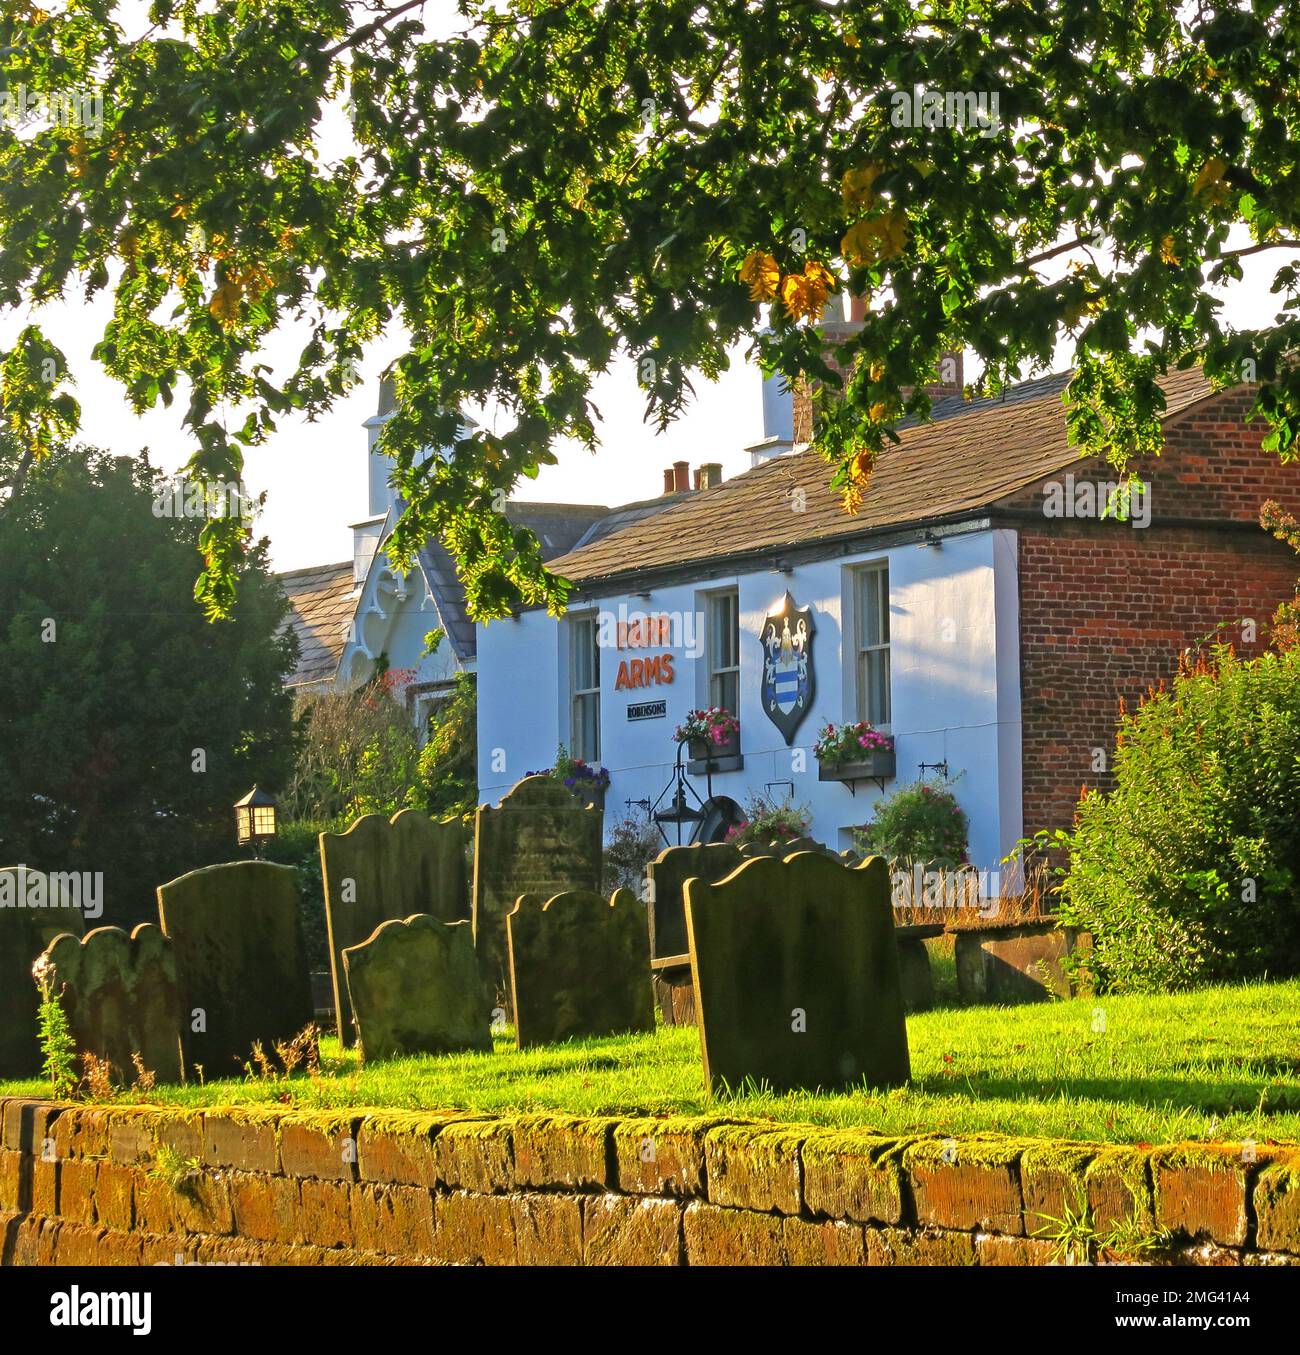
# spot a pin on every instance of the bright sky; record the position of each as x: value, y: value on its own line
x: 314, y: 474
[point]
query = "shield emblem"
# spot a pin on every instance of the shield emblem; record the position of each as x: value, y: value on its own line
x: 789, y: 683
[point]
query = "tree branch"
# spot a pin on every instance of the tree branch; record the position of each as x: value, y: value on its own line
x: 370, y: 29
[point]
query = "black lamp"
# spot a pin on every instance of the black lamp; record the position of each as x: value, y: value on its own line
x: 255, y: 818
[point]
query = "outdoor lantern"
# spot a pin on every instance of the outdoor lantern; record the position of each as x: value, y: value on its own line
x: 679, y: 812
x: 255, y: 817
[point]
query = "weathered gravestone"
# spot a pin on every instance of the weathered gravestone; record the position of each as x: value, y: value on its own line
x: 383, y: 869
x: 540, y: 840
x: 25, y: 931
x: 415, y: 989
x: 579, y: 966
x: 796, y: 975
x: 669, y: 959
x: 790, y: 845
x: 1014, y: 961
x: 240, y: 960
x: 120, y: 996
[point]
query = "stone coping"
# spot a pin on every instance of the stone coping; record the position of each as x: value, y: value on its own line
x: 926, y: 1198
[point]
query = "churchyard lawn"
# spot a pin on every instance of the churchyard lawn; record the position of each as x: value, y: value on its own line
x: 1214, y: 1064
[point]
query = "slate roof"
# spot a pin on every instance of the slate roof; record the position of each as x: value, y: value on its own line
x: 322, y: 603
x: 975, y: 454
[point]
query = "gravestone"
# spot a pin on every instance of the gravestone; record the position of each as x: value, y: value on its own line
x: 241, y: 963
x: 579, y: 966
x: 414, y: 987
x: 667, y: 875
x: 24, y: 934
x: 796, y: 975
x: 120, y: 996
x: 1007, y: 963
x: 540, y: 840
x: 789, y: 846
x: 382, y: 869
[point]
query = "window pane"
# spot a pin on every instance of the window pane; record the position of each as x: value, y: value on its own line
x: 873, y: 607
x: 873, y: 686
x: 586, y: 657
x: 586, y: 727
x: 724, y: 690
x: 722, y: 630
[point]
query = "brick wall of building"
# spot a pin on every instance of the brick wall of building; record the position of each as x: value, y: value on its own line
x: 1106, y: 608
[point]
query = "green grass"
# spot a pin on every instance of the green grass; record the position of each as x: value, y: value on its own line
x: 1219, y: 1063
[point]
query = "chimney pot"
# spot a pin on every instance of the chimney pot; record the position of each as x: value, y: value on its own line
x: 681, y: 476
x: 669, y: 484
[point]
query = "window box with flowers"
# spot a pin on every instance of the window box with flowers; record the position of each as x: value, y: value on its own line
x: 712, y: 739
x: 854, y: 752
x: 589, y: 783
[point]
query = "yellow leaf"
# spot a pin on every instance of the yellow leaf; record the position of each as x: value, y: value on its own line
x: 880, y: 237
x: 763, y: 274
x: 821, y: 283
x: 1167, y: 254
x: 224, y: 305
x: 856, y: 186
x: 1211, y: 172
x: 804, y: 294
x: 794, y: 295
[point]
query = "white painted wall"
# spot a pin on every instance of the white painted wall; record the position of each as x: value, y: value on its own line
x: 955, y: 680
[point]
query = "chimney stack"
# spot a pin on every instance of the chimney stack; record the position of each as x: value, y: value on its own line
x: 710, y: 474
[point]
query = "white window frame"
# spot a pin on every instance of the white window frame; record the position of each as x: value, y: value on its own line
x: 714, y: 671
x: 865, y: 577
x: 578, y: 627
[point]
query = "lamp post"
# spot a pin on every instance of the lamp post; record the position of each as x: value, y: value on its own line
x: 255, y: 819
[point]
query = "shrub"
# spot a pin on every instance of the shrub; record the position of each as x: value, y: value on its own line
x: 920, y: 824
x: 357, y: 753
x: 766, y: 821
x: 448, y: 764
x: 58, y: 1049
x: 1187, y: 870
x: 632, y: 844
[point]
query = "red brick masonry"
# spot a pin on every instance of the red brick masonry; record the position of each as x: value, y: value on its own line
x: 1106, y: 608
x: 124, y: 1185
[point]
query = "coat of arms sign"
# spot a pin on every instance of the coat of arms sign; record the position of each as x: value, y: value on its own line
x: 789, y: 682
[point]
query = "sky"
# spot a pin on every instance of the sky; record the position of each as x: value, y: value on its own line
x: 314, y: 473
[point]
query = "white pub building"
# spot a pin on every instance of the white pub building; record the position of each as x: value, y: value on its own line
x: 763, y: 596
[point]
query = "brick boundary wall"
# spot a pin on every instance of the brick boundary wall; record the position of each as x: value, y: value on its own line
x: 84, y: 1185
